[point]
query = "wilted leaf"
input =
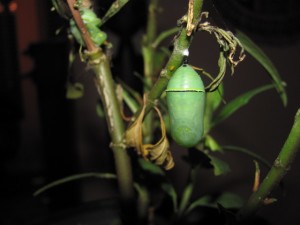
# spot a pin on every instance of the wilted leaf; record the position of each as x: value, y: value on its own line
x: 222, y: 70
x: 238, y: 102
x: 264, y: 60
x: 230, y: 47
x: 256, y: 177
x: 158, y: 152
x: 74, y: 90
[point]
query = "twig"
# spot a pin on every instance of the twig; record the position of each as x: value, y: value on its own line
x: 181, y: 44
x: 81, y: 26
x: 280, y: 167
x: 99, y: 64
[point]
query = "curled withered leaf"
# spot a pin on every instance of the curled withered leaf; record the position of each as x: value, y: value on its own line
x: 133, y: 135
x: 159, y: 152
x: 119, y: 92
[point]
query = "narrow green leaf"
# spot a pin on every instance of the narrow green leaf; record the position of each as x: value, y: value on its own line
x: 170, y: 190
x: 212, y: 144
x: 150, y: 167
x: 230, y: 200
x: 264, y: 60
x: 186, y: 196
x: 131, y: 97
x: 74, y: 90
x: 165, y: 34
x: 215, y: 98
x: 203, y: 201
x: 227, y: 199
x: 212, y: 102
x: 142, y: 201
x: 222, y: 70
x: 220, y: 167
x: 249, y: 153
x: 73, y: 178
x: 238, y: 102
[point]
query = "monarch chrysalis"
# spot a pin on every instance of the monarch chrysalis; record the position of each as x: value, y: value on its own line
x: 186, y: 102
x: 92, y: 23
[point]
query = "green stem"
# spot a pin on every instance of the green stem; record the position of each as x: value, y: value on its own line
x: 106, y: 89
x: 280, y: 167
x: 99, y: 63
x: 181, y: 44
x: 164, y: 35
x: 148, y: 55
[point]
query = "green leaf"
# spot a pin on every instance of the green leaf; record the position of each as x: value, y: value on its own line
x: 230, y: 200
x: 214, y: 98
x: 186, y: 196
x: 165, y: 34
x: 150, y: 167
x: 73, y: 178
x: 222, y: 70
x: 212, y: 144
x: 227, y: 200
x: 74, y: 90
x: 212, y: 102
x: 131, y: 97
x: 249, y: 153
x: 170, y: 190
x: 238, y: 102
x: 264, y: 60
x: 203, y: 201
x: 220, y: 167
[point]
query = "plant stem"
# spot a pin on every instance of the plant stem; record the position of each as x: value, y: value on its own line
x: 181, y: 44
x: 280, y: 167
x: 106, y: 89
x: 81, y: 26
x: 99, y: 64
x: 148, y: 55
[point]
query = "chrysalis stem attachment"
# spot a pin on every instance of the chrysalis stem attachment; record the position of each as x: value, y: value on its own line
x: 185, y: 56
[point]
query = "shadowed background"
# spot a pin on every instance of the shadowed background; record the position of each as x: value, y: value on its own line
x: 44, y: 136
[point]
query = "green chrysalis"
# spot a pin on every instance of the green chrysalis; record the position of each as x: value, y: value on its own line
x: 186, y: 102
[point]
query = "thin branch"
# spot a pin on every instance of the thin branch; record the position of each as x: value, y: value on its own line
x: 280, y: 167
x: 181, y: 44
x: 104, y: 82
x: 81, y: 26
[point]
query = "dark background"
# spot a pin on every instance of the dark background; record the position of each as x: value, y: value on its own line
x: 45, y: 136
